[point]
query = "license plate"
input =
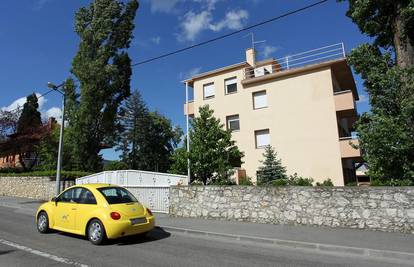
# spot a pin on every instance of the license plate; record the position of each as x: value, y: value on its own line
x: 138, y: 220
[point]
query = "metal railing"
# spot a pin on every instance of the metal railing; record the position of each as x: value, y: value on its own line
x: 322, y: 54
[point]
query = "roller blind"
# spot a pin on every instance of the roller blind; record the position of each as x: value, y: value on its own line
x: 262, y: 138
x: 259, y: 100
x: 208, y: 90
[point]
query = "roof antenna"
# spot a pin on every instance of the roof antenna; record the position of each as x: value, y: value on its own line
x: 253, y: 41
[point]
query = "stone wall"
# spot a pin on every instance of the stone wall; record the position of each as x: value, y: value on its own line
x: 376, y: 208
x: 42, y: 188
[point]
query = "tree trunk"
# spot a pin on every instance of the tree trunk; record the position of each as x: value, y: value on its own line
x: 403, y: 47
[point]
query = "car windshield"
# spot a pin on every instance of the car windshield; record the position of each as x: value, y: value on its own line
x: 117, y: 195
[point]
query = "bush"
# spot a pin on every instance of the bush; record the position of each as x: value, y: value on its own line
x: 66, y: 175
x: 223, y: 181
x: 11, y: 170
x: 196, y: 182
x: 245, y: 180
x: 392, y: 182
x: 280, y: 182
x: 293, y: 180
x: 327, y: 182
x: 300, y: 181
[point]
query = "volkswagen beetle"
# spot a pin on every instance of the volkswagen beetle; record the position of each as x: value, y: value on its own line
x: 97, y: 211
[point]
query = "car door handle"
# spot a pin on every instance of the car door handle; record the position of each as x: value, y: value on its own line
x: 73, y: 208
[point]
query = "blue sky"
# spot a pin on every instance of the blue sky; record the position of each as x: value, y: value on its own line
x: 38, y: 43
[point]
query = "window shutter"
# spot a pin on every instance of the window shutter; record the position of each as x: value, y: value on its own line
x: 208, y: 90
x: 262, y: 138
x: 259, y: 100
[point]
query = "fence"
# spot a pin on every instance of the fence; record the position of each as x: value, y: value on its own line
x: 151, y: 188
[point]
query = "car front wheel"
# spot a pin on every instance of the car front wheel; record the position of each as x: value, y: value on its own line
x: 96, y: 232
x: 43, y: 222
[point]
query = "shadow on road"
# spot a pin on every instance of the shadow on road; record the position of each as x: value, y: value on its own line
x: 3, y: 252
x: 157, y: 234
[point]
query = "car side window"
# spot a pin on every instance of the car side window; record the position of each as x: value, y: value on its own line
x: 86, y: 197
x: 71, y: 195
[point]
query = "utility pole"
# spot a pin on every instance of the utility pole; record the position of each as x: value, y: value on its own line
x: 188, y: 134
x: 62, y: 126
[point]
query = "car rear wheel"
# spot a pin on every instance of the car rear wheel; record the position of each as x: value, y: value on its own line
x: 96, y: 232
x: 43, y: 222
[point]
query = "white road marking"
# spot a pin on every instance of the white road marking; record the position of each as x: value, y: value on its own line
x: 42, y: 254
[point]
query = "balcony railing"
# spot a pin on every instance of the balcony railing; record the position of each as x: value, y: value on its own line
x: 318, y: 55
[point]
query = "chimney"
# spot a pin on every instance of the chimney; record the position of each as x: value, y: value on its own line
x: 251, y: 56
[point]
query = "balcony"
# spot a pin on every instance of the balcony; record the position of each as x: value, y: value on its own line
x: 190, y: 108
x: 347, y: 150
x: 291, y: 63
x: 345, y: 103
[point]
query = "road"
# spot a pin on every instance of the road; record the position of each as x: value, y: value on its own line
x: 22, y: 245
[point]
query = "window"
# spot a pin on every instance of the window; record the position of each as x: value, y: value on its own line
x: 262, y: 138
x: 86, y: 197
x: 208, y: 90
x: 259, y: 100
x: 231, y: 85
x: 71, y: 195
x: 117, y: 195
x: 233, y: 122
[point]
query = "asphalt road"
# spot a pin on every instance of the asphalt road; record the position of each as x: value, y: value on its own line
x: 22, y: 245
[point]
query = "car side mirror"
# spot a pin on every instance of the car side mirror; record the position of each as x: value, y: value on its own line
x: 53, y: 199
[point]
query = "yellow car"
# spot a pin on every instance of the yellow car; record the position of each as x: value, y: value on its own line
x: 98, y: 211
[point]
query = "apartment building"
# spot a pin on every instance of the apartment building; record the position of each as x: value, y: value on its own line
x: 303, y: 105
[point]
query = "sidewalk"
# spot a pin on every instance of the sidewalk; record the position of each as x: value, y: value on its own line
x: 354, y: 242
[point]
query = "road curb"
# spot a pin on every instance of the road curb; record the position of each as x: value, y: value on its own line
x: 324, y: 248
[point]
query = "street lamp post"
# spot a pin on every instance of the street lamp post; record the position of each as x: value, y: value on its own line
x: 60, y: 151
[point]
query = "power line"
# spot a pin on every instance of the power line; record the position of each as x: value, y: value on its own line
x: 42, y: 95
x: 230, y: 34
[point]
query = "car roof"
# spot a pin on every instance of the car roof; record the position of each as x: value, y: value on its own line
x: 95, y: 186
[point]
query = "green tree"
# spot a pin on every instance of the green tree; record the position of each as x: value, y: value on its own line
x: 213, y: 153
x: 30, y: 119
x: 48, y: 151
x: 386, y: 133
x: 272, y: 168
x: 102, y: 68
x: 116, y: 165
x: 147, y: 139
x: 391, y: 23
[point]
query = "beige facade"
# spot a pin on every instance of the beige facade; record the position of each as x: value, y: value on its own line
x: 304, y: 113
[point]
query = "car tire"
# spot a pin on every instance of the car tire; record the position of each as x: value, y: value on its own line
x: 96, y: 232
x: 42, y: 223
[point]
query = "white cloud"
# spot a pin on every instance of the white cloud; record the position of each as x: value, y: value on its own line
x: 165, y: 6
x: 21, y: 101
x: 234, y: 20
x: 156, y: 40
x: 54, y: 112
x: 170, y: 6
x: 268, y: 50
x: 190, y: 73
x: 194, y: 23
x: 46, y: 114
